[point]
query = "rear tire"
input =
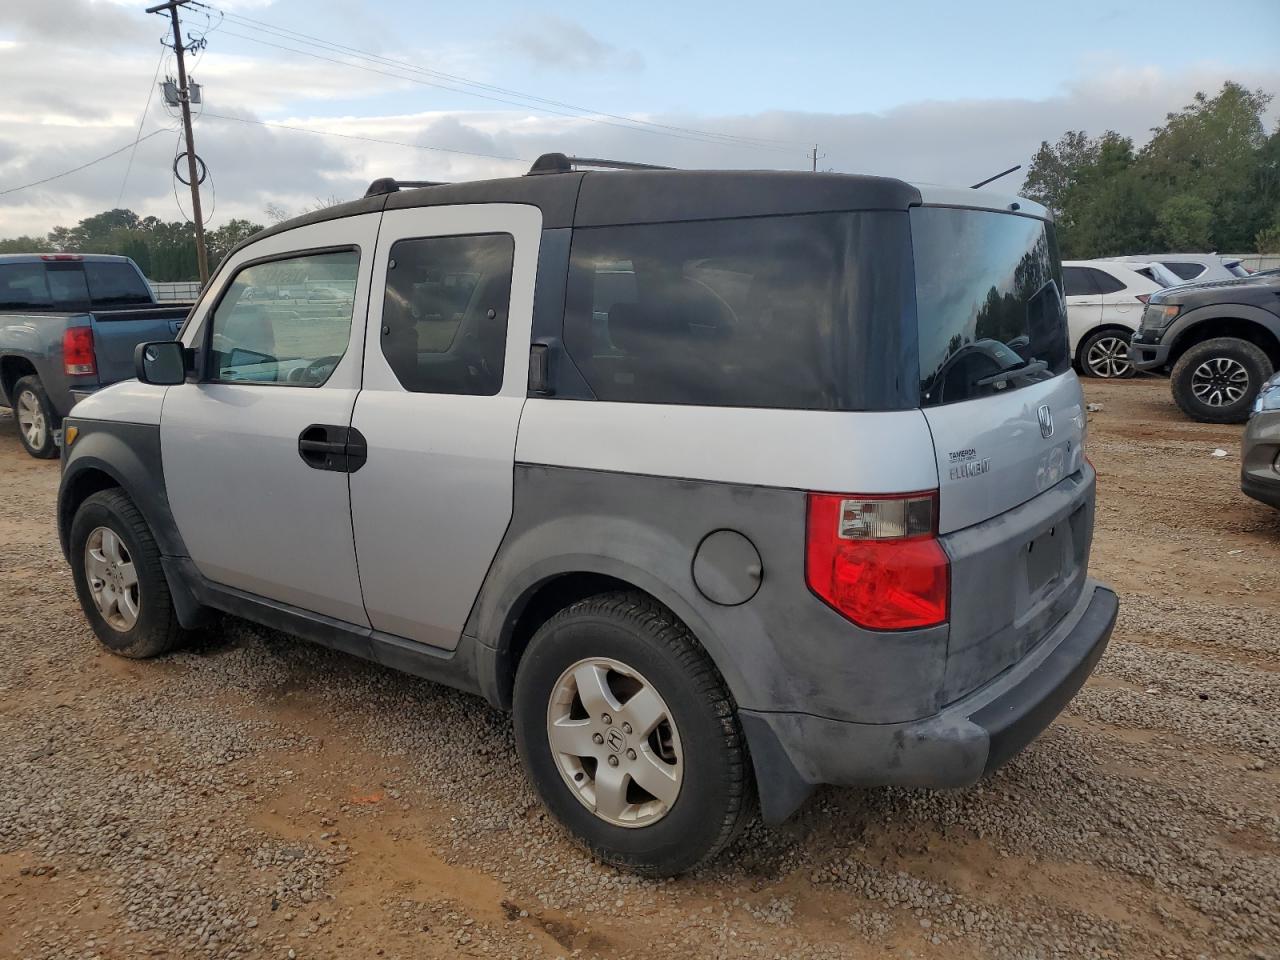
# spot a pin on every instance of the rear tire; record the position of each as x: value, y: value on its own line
x: 121, y: 585
x: 1218, y: 380
x: 1105, y: 354
x: 648, y: 663
x: 35, y: 417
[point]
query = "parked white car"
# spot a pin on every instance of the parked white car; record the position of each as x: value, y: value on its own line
x: 1198, y: 267
x: 1105, y: 301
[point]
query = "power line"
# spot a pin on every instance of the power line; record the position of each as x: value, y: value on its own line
x: 296, y: 36
x: 353, y: 136
x: 526, y: 101
x: 105, y: 156
x: 141, y: 120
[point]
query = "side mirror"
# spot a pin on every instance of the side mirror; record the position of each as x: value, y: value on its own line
x: 163, y: 363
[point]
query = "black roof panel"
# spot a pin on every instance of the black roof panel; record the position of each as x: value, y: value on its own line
x: 644, y: 196
x: 554, y: 194
x: 664, y: 195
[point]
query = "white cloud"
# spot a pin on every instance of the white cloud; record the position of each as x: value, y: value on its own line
x: 551, y: 42
x: 48, y: 127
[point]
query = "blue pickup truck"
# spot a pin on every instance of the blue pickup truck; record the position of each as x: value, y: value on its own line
x: 69, y: 323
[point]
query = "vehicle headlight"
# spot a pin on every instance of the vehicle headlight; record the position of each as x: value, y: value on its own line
x: 1268, y: 396
x: 1157, y: 316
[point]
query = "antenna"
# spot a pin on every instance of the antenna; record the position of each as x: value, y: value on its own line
x: 1002, y: 173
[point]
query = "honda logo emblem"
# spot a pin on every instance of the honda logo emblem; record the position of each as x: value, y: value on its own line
x: 1046, y: 421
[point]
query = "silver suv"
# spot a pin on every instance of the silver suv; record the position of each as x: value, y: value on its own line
x: 726, y: 484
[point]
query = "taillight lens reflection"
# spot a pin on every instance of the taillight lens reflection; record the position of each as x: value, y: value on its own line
x: 877, y: 559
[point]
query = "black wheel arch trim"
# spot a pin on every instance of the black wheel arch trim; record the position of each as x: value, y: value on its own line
x: 1194, y: 319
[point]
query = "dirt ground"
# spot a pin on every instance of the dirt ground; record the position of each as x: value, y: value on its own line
x: 259, y: 797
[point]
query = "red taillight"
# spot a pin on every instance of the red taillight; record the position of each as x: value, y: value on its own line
x: 877, y: 560
x: 77, y: 351
x: 1144, y: 297
x: 61, y: 256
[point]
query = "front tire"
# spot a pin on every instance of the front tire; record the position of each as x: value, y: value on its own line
x: 35, y: 417
x: 627, y: 731
x: 1218, y: 380
x: 119, y: 580
x: 1105, y: 354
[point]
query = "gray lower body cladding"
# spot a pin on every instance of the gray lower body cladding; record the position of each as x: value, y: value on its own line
x: 953, y: 748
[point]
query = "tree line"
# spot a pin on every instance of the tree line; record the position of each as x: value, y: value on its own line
x: 163, y: 250
x: 1208, y: 180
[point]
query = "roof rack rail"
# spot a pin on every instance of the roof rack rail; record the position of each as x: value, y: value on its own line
x: 392, y: 185
x: 559, y: 163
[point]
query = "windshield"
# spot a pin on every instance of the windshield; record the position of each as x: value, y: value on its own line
x: 989, y: 303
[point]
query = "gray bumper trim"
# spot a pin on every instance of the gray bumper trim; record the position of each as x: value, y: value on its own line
x: 953, y: 748
x: 1149, y: 356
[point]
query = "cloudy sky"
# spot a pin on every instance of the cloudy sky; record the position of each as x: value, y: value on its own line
x: 943, y: 92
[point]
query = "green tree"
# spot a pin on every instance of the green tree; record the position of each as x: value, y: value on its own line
x: 1184, y: 222
x: 221, y: 241
x: 26, y: 244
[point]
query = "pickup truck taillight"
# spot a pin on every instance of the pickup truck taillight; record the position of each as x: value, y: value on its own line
x: 877, y: 560
x: 77, y: 351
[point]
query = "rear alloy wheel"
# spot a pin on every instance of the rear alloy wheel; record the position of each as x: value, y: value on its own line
x: 1105, y: 354
x: 626, y: 730
x: 1217, y: 381
x: 615, y: 743
x: 36, y: 419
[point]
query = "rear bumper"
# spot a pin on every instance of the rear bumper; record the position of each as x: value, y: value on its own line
x: 794, y: 752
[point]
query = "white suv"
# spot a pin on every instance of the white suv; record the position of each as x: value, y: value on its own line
x: 1105, y: 301
x: 724, y: 483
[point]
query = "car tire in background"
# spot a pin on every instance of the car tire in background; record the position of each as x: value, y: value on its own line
x: 627, y: 731
x: 35, y: 417
x: 1105, y: 354
x: 115, y: 564
x: 1217, y: 381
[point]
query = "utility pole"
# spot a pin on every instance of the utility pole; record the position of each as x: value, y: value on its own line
x: 816, y: 158
x: 184, y: 98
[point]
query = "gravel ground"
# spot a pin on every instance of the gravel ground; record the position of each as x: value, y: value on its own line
x: 259, y: 797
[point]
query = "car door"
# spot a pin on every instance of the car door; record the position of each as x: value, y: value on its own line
x: 261, y: 501
x: 1120, y: 303
x: 1084, y: 303
x: 445, y: 380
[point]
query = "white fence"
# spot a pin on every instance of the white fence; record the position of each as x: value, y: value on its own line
x: 177, y: 290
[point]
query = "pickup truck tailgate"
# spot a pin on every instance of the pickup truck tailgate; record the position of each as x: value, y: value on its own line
x: 117, y: 332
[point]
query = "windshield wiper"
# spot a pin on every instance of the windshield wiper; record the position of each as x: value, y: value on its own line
x: 1028, y: 368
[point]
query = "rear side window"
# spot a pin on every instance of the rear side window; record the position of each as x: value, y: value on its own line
x: 115, y: 284
x: 1106, y: 282
x: 1078, y: 281
x: 988, y: 303
x: 444, y: 318
x: 1187, y: 271
x: 285, y: 321
x: 777, y: 312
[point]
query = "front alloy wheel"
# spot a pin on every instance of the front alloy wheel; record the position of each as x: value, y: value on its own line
x: 1220, y: 382
x: 615, y: 742
x: 113, y: 579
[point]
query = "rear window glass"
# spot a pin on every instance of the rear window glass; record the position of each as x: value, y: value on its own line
x: 23, y: 287
x: 989, y: 303
x: 1187, y: 271
x: 777, y: 312
x: 113, y: 284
